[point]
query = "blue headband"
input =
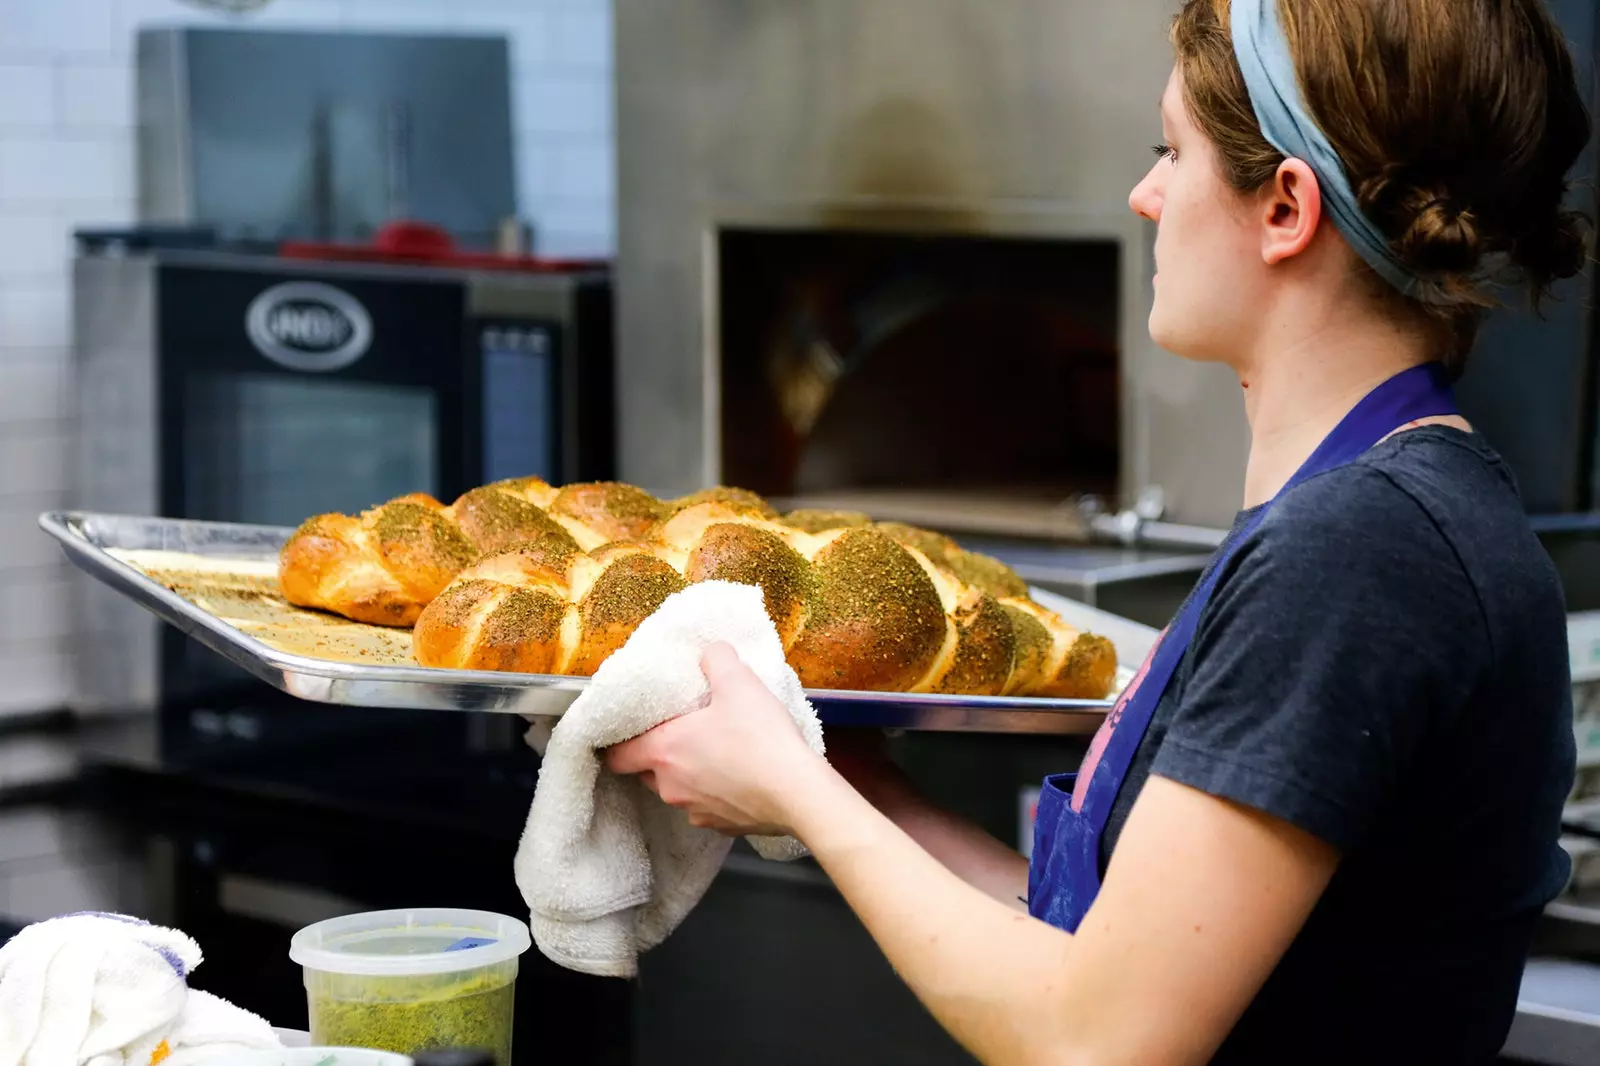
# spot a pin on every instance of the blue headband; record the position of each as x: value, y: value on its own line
x: 1274, y: 86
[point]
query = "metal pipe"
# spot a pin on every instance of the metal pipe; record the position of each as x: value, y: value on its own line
x: 1140, y: 526
x: 1129, y: 529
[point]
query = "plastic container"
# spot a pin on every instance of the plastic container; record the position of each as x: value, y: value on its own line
x: 412, y: 980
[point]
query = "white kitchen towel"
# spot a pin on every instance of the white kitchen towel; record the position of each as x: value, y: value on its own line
x: 607, y: 869
x: 110, y: 990
x: 211, y: 1029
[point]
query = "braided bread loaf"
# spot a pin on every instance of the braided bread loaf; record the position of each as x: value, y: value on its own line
x: 386, y: 565
x: 564, y: 578
x: 521, y: 576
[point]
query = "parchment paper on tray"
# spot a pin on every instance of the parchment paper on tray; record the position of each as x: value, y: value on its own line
x: 244, y: 594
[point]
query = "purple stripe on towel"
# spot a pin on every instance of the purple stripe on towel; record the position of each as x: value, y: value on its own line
x: 102, y: 914
x: 175, y: 962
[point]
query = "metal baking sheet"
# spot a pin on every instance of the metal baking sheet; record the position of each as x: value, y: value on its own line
x: 217, y: 582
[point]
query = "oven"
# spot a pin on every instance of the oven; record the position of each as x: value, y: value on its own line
x: 236, y: 387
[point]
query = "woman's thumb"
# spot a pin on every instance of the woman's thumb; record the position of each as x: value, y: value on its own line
x: 722, y: 666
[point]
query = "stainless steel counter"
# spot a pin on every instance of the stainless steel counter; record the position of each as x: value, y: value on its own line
x: 1558, y: 1014
x: 1144, y: 584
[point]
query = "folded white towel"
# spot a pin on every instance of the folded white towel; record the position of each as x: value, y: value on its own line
x: 209, y: 1030
x: 110, y: 990
x: 607, y: 869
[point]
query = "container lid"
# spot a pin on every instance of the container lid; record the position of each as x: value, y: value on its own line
x: 403, y: 943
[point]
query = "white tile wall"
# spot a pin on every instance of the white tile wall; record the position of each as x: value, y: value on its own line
x: 35, y: 458
x: 35, y: 313
x: 35, y: 610
x: 58, y: 27
x: 562, y: 102
x: 33, y: 674
x: 32, y: 245
x: 27, y: 95
x: 45, y: 168
x: 22, y: 546
x: 69, y: 886
x: 583, y: 168
x: 33, y: 833
x: 93, y: 94
x: 66, y: 160
x: 36, y: 388
x: 582, y: 37
x: 54, y: 862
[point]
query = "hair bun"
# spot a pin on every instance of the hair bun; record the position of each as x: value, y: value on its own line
x: 1439, y: 237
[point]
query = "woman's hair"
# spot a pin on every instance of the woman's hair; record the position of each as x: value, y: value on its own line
x: 1457, y: 122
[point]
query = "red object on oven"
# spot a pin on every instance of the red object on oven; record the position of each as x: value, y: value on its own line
x: 422, y: 244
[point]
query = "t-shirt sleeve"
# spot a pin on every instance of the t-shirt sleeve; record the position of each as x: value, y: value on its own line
x: 1339, y: 635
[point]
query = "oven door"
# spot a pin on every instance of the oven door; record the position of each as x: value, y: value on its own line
x: 286, y: 394
x: 289, y: 395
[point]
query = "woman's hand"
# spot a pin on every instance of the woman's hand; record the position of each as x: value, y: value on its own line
x: 732, y: 765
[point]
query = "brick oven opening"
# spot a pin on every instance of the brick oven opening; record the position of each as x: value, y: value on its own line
x: 905, y: 374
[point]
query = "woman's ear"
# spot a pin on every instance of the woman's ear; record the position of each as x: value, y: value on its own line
x: 1291, y: 209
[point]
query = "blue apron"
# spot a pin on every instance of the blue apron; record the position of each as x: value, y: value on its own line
x: 1064, y: 875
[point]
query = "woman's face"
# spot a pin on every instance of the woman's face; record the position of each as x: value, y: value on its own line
x: 1208, y: 255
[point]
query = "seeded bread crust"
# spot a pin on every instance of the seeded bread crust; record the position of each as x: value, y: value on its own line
x: 522, y: 576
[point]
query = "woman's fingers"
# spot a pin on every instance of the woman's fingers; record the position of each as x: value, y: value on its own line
x: 714, y: 763
x: 632, y: 756
x: 721, y: 825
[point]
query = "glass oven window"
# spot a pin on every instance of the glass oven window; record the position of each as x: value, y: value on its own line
x: 272, y: 449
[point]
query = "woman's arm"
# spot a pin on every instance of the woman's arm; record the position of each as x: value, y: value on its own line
x: 1199, y: 904
x: 1200, y: 901
x: 964, y: 848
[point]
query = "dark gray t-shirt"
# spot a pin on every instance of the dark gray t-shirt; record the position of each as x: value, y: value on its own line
x: 1384, y: 664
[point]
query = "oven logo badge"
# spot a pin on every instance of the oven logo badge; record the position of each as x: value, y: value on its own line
x: 309, y: 326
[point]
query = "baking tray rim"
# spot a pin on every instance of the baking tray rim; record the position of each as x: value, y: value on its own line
x: 68, y: 527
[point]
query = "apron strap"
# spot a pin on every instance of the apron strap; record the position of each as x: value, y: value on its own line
x: 1414, y: 394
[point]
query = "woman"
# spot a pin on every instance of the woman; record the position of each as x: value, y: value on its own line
x: 1321, y: 825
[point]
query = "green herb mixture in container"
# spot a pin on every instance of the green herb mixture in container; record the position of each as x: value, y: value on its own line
x: 412, y: 980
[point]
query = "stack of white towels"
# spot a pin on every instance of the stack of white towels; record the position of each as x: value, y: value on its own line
x: 109, y: 990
